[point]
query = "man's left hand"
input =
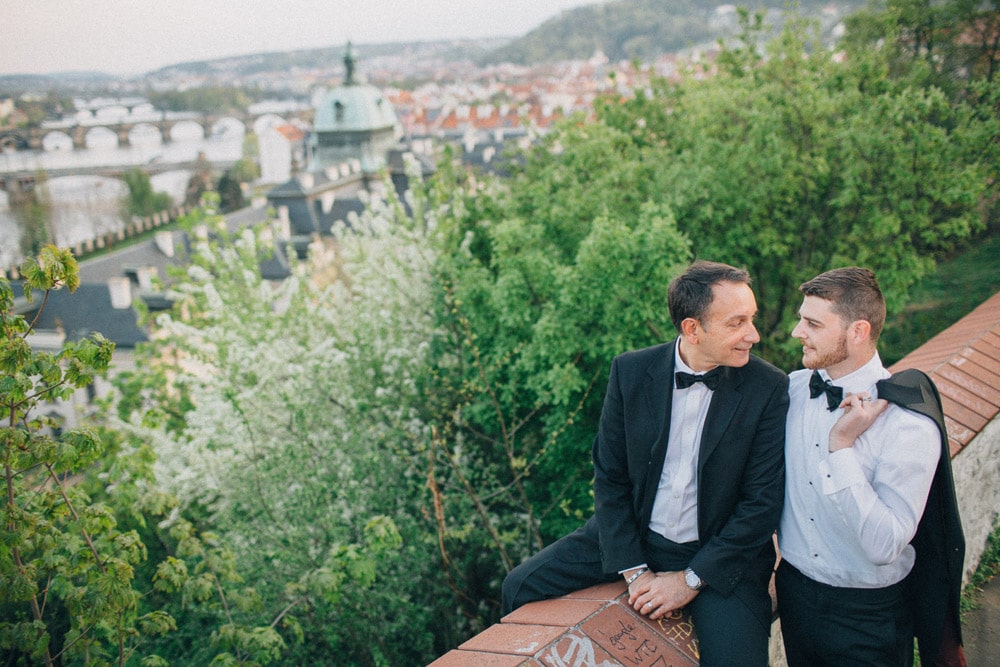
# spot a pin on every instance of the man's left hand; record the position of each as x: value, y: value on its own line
x: 661, y: 594
x: 860, y: 411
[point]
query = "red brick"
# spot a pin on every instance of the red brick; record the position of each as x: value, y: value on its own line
x: 563, y: 612
x: 967, y: 365
x: 957, y: 372
x: 631, y: 639
x: 459, y: 658
x: 958, y: 432
x: 576, y: 648
x: 523, y: 640
x: 965, y: 397
x: 987, y: 348
x: 678, y: 629
x: 962, y: 414
x: 610, y: 591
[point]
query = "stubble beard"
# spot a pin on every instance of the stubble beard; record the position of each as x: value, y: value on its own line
x: 831, y: 358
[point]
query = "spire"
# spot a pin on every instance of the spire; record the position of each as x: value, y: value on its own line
x: 349, y: 63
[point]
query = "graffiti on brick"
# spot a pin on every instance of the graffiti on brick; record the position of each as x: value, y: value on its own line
x: 630, y: 644
x: 575, y: 650
x: 679, y: 630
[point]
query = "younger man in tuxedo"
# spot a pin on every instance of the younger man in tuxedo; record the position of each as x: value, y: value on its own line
x: 859, y: 472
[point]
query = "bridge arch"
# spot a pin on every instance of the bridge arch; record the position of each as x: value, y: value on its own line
x: 145, y: 135
x: 187, y: 130
x: 228, y: 126
x: 100, y: 137
x: 57, y: 141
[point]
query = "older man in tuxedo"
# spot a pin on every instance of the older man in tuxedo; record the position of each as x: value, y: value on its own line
x: 688, y: 477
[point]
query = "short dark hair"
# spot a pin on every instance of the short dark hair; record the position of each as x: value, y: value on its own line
x: 854, y: 293
x: 690, y: 293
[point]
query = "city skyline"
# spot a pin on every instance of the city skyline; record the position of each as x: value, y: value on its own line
x: 124, y: 37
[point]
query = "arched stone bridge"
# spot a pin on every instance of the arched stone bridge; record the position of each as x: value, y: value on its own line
x: 85, y: 130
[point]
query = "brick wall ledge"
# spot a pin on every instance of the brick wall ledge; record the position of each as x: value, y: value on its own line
x: 593, y: 627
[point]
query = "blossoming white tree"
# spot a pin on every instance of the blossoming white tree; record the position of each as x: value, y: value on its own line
x: 294, y: 400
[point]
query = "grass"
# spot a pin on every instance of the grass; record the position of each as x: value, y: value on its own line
x: 988, y: 568
x: 952, y: 291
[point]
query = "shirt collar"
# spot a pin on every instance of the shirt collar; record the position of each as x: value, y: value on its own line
x: 863, y: 379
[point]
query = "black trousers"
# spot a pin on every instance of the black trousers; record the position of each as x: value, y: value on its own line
x: 729, y: 631
x: 825, y: 625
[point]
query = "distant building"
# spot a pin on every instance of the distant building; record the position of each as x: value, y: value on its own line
x: 353, y: 121
x: 355, y: 138
x: 281, y: 151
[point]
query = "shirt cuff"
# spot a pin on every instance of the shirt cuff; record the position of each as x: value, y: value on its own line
x: 634, y: 567
x: 840, y: 470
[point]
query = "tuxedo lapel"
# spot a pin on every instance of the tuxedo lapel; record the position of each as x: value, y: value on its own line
x: 658, y: 393
x: 725, y: 401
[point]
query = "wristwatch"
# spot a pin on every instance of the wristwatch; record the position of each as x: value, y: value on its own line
x: 692, y: 580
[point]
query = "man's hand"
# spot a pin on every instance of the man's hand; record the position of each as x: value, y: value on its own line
x: 656, y: 595
x: 860, y: 412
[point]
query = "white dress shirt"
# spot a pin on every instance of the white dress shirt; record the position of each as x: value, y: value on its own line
x: 849, y: 515
x: 675, y: 508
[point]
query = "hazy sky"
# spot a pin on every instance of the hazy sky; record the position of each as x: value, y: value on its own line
x: 134, y: 36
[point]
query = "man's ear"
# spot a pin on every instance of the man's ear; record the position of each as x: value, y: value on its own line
x: 689, y: 329
x: 860, y: 331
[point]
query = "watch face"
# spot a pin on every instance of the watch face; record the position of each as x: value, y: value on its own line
x: 692, y: 579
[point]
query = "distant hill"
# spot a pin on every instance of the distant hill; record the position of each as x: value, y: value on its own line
x: 322, y: 58
x: 645, y: 29
x: 620, y: 29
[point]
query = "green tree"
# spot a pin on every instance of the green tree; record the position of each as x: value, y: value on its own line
x: 142, y: 200
x: 201, y: 181
x: 66, y: 569
x: 33, y: 212
x: 790, y: 164
x: 946, y: 44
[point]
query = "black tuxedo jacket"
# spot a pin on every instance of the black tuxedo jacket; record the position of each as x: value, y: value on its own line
x: 936, y: 579
x: 741, y: 478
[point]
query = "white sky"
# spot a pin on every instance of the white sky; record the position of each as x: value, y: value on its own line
x: 135, y: 36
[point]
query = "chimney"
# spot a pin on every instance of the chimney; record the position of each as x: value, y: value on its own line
x: 283, y: 225
x: 120, y: 288
x: 165, y: 242
x: 146, y: 275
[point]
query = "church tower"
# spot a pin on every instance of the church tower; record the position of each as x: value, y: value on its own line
x: 353, y: 121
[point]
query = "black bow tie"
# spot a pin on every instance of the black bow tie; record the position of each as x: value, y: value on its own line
x: 817, y: 386
x: 711, y: 379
